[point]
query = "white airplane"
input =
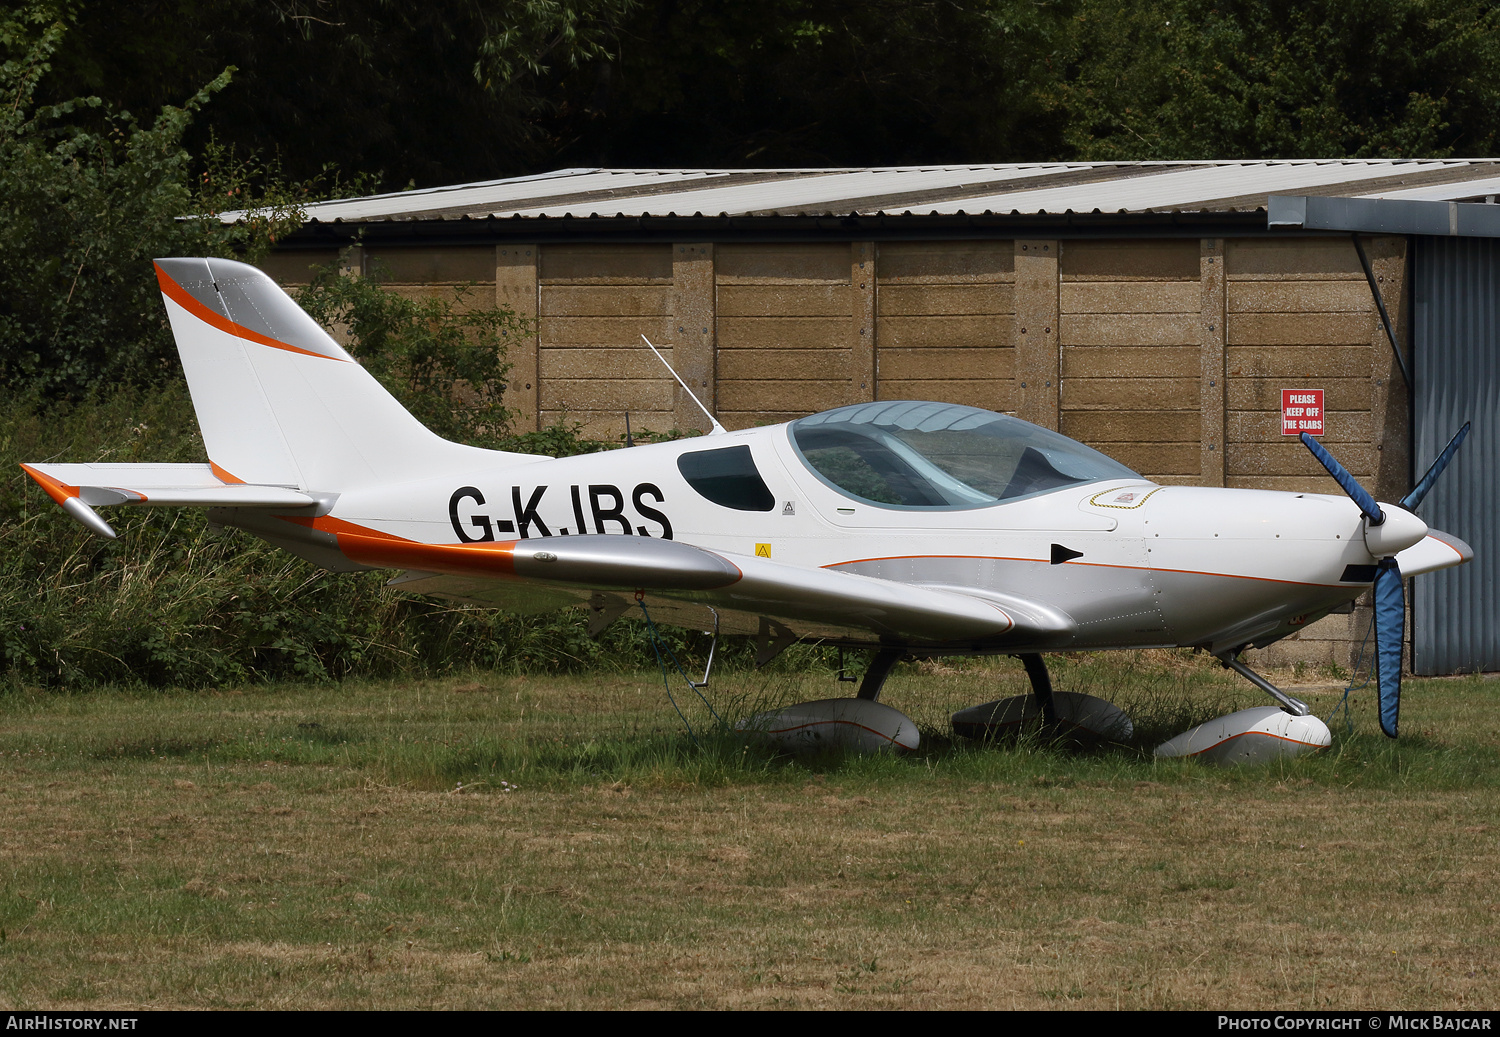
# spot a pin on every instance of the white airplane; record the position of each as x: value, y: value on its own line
x: 907, y: 528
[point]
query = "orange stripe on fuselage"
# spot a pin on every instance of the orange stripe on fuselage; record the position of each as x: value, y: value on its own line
x: 386, y: 551
x: 174, y: 291
x: 58, y: 491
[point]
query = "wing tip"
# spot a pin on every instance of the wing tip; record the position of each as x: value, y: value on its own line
x: 59, y: 491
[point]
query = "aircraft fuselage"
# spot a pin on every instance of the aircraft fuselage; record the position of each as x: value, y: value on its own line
x: 1133, y: 563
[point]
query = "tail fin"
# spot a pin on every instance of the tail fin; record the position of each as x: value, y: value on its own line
x: 280, y: 402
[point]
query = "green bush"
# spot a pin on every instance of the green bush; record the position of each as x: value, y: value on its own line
x: 444, y: 360
x: 88, y: 372
x: 91, y: 196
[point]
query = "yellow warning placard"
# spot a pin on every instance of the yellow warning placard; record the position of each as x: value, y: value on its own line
x: 762, y: 550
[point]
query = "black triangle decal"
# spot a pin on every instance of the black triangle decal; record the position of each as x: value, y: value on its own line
x: 1062, y: 554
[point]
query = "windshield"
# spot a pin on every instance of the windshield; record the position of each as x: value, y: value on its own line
x: 942, y: 455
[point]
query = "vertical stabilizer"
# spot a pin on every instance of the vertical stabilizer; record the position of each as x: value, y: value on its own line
x: 279, y: 401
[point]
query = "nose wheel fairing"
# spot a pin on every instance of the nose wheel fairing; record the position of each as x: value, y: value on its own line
x: 1251, y: 736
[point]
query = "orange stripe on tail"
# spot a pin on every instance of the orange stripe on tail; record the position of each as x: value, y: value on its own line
x: 174, y: 291
x: 224, y: 476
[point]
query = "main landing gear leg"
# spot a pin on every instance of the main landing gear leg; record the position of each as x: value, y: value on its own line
x: 880, y: 669
x: 1041, y: 685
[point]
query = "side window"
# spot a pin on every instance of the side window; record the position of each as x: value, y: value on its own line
x: 727, y: 477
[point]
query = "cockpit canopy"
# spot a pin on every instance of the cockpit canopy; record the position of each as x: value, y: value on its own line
x: 942, y: 455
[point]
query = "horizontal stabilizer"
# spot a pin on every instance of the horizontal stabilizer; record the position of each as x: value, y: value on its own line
x: 98, y: 485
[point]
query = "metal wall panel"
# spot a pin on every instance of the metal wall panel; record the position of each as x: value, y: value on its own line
x: 1456, y: 288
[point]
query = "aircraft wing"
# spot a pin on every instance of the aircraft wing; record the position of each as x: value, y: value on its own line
x: 539, y: 573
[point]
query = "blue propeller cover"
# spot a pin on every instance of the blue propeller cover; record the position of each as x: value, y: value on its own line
x: 1390, y: 632
x: 1356, y: 492
x: 1419, y: 491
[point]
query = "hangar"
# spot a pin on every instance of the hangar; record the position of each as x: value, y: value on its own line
x: 1156, y: 311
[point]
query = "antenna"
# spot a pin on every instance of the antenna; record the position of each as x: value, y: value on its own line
x: 717, y: 427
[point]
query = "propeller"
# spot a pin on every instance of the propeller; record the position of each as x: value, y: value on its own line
x: 1385, y: 538
x: 1418, y: 492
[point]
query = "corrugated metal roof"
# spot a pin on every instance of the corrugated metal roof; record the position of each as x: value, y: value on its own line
x: 1023, y: 188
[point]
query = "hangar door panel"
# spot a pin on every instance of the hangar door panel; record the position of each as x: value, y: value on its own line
x: 1456, y: 366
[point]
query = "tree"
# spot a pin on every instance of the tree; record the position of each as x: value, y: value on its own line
x: 822, y: 83
x: 454, y: 90
x: 1194, y: 79
x: 86, y: 209
x: 92, y: 196
x: 432, y: 92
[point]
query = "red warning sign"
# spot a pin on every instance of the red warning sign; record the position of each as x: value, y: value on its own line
x: 1302, y: 411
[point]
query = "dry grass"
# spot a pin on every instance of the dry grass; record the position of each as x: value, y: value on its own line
x: 355, y: 846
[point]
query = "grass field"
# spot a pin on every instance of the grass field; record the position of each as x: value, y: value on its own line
x: 560, y: 842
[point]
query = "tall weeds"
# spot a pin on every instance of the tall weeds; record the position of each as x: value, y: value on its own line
x: 175, y: 603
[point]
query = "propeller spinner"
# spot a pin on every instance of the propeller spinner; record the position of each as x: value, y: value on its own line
x: 1388, y: 531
